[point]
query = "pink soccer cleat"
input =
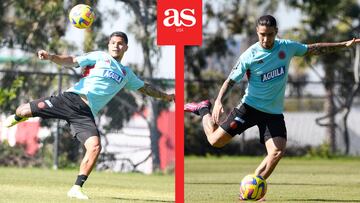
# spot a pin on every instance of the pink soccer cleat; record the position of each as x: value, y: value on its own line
x: 194, y: 107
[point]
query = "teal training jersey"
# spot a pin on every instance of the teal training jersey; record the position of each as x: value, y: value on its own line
x: 267, y: 71
x: 103, y: 78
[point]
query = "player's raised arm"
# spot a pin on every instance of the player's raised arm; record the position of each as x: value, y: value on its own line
x: 64, y: 60
x: 328, y: 47
x: 152, y: 92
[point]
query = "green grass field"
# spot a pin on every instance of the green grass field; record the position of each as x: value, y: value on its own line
x: 45, y: 185
x: 294, y: 180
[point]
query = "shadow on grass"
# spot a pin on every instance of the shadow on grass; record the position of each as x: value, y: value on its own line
x: 199, y: 183
x: 142, y: 200
x: 217, y: 183
x: 317, y: 200
x: 312, y: 184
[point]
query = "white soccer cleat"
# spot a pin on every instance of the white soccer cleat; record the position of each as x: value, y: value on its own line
x: 10, y: 121
x: 76, y: 192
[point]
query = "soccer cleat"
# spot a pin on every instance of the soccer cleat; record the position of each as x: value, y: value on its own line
x: 241, y: 197
x: 76, y: 192
x: 10, y: 121
x: 244, y: 199
x: 194, y: 107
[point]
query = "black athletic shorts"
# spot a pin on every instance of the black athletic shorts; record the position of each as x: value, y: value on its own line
x: 245, y: 116
x: 70, y: 107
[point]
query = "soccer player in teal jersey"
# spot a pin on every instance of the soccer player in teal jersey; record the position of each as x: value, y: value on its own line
x: 266, y: 65
x: 104, y: 76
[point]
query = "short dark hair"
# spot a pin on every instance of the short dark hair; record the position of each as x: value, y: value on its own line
x: 119, y: 34
x: 266, y: 20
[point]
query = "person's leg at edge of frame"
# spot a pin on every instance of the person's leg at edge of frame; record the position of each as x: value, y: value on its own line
x: 275, y: 148
x: 93, y: 148
x: 22, y: 113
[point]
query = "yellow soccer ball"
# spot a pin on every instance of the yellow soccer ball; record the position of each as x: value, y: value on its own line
x: 252, y: 187
x: 81, y: 16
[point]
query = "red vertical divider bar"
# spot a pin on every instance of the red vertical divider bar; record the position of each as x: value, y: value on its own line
x: 179, y: 23
x: 179, y: 126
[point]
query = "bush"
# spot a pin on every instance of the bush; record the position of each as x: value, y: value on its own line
x: 16, y: 156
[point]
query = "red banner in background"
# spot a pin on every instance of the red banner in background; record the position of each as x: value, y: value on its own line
x: 179, y: 22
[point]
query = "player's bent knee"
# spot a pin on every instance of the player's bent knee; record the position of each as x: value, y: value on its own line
x: 217, y: 143
x: 98, y: 149
x: 95, y: 149
x: 24, y: 110
x: 278, y: 154
x: 93, y: 145
x: 219, y: 138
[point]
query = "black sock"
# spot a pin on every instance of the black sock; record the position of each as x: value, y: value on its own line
x: 17, y: 118
x: 81, y: 180
x: 204, y: 111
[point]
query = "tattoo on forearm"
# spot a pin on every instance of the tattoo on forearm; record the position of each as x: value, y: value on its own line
x: 150, y: 91
x: 324, y: 48
x: 229, y: 87
x: 226, y: 89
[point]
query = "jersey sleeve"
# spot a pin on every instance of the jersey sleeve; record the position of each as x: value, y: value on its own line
x: 297, y: 48
x: 88, y: 59
x: 134, y: 83
x: 239, y: 69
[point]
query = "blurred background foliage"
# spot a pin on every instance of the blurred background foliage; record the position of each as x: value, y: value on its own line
x: 36, y: 24
x: 232, y: 23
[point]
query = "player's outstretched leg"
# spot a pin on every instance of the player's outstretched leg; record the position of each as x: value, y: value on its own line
x: 217, y: 137
x: 23, y: 112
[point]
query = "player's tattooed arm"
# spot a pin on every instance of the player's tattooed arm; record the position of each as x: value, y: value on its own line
x: 153, y: 92
x: 324, y: 48
x: 225, y: 90
x: 223, y: 93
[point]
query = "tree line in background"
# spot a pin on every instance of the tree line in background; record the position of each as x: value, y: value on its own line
x: 30, y: 26
x: 228, y: 25
x: 42, y: 25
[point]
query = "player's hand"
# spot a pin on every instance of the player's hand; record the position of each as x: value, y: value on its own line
x: 43, y: 55
x: 352, y: 42
x: 170, y: 97
x: 217, y: 111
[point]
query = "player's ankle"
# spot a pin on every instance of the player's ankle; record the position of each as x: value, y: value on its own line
x: 80, y: 180
x: 204, y: 111
x: 18, y: 118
